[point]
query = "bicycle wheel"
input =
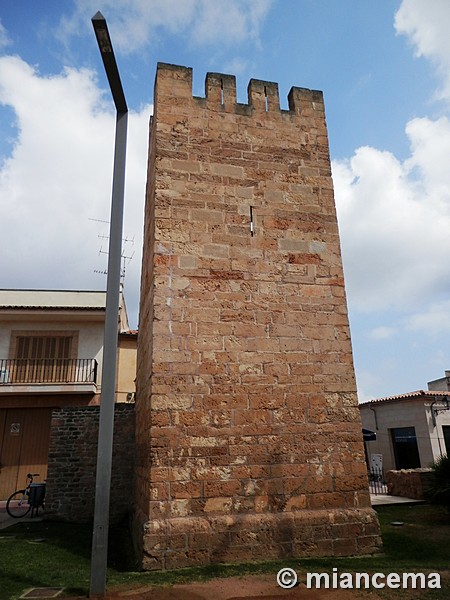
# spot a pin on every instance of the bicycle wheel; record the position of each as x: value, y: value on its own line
x: 18, y: 504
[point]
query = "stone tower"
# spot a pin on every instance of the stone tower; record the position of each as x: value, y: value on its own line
x: 249, y: 442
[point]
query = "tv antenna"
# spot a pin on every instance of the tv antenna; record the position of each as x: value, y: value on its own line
x: 99, y: 220
x: 126, y: 259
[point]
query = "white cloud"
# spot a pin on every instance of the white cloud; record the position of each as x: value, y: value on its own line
x: 366, y: 381
x: 133, y: 23
x: 382, y: 333
x: 426, y: 25
x: 395, y: 220
x: 430, y: 146
x: 59, y: 176
x: 236, y: 66
x: 434, y: 321
x: 4, y: 38
x: 395, y: 215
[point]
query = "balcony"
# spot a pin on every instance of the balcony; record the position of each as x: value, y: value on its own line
x: 48, y: 376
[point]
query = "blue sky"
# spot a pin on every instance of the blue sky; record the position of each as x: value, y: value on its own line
x: 383, y: 67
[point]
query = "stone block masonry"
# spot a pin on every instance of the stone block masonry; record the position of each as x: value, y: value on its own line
x: 248, y: 433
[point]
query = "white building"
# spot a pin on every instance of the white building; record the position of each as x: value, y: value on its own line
x: 51, y: 348
x: 412, y: 430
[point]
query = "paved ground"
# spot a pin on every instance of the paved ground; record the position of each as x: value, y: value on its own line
x: 7, y: 521
x: 383, y: 499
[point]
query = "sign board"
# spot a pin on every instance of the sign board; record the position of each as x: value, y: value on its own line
x: 376, y: 461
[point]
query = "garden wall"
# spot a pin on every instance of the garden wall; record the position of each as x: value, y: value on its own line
x: 72, y: 459
x: 408, y: 483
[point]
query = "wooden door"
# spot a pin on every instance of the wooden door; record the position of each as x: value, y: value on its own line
x: 24, y: 441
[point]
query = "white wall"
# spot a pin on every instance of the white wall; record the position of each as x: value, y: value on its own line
x: 402, y: 413
x: 414, y: 412
x: 437, y: 439
x: 90, y: 335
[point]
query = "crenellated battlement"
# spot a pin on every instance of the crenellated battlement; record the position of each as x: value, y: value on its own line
x: 220, y: 93
x: 220, y: 89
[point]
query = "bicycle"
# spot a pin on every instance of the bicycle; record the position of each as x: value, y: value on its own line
x: 21, y: 502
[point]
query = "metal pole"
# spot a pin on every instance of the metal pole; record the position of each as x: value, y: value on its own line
x: 99, y: 555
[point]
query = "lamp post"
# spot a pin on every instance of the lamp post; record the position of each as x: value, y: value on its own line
x: 106, y: 425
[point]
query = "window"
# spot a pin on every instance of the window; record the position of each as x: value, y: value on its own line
x: 406, y: 451
x: 35, y: 347
x: 42, y: 356
x: 446, y: 433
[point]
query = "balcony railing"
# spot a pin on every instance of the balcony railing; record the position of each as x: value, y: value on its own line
x: 48, y: 370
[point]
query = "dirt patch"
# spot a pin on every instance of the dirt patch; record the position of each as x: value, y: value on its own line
x: 235, y: 588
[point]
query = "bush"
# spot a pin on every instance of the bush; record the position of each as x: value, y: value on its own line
x: 438, y: 491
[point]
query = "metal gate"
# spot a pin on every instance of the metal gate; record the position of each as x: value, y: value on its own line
x: 377, y: 482
x: 24, y: 441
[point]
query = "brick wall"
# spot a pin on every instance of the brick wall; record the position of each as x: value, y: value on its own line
x: 70, y: 492
x: 249, y: 439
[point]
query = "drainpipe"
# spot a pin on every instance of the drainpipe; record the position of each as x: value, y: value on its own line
x: 433, y: 416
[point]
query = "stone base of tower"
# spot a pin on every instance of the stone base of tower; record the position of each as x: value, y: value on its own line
x: 198, y: 541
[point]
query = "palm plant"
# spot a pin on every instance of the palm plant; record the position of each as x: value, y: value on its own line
x: 438, y: 491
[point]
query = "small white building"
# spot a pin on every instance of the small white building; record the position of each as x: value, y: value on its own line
x: 51, y: 349
x: 412, y: 429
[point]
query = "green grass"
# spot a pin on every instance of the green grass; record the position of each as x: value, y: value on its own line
x: 58, y: 554
x: 44, y: 555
